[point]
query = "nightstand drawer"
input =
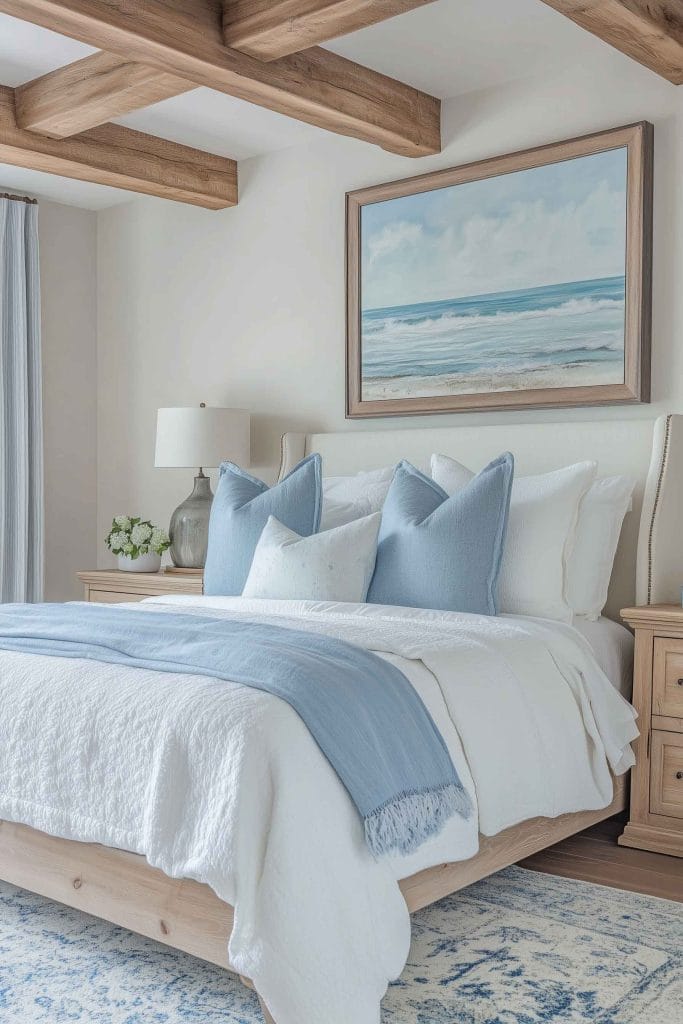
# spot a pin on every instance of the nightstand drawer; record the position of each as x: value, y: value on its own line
x: 667, y: 682
x: 113, y: 596
x: 666, y: 774
x: 108, y: 586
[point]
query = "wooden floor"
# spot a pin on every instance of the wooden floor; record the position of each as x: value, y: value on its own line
x: 594, y: 856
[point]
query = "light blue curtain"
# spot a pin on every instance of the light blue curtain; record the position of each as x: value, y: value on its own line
x: 21, y: 421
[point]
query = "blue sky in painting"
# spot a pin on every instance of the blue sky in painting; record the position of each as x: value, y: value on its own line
x: 547, y: 225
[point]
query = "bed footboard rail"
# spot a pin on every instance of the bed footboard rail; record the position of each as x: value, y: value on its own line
x: 120, y: 887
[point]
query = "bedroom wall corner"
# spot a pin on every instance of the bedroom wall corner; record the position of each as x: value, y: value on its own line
x: 68, y: 268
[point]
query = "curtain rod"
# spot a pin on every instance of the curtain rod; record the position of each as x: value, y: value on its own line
x: 19, y: 199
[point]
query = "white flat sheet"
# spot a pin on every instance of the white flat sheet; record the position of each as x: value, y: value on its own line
x: 224, y: 784
x: 612, y: 646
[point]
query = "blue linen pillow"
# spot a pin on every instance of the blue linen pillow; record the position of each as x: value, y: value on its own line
x: 439, y: 552
x: 240, y: 510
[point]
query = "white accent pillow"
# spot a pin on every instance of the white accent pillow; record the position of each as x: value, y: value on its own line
x: 589, y: 570
x: 370, y: 486
x: 336, y: 565
x: 337, y: 513
x: 540, y: 537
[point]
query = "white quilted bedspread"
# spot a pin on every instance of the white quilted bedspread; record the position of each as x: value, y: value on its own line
x: 224, y: 784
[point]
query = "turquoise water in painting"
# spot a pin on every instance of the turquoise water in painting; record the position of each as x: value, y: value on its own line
x: 581, y: 322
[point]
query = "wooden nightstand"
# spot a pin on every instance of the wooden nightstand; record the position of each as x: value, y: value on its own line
x: 110, y: 587
x: 656, y: 816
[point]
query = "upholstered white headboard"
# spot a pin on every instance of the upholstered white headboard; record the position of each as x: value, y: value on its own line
x: 649, y: 563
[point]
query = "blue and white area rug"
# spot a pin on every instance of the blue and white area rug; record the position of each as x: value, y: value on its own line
x: 517, y: 948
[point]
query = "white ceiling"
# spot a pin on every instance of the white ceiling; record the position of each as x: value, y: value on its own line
x: 447, y: 48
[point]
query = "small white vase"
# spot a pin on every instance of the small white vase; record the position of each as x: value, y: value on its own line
x: 143, y: 563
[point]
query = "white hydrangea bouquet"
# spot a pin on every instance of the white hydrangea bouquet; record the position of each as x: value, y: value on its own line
x: 138, y: 543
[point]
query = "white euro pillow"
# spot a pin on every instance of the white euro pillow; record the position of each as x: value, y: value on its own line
x: 338, y: 513
x: 589, y: 570
x: 542, y: 523
x: 370, y: 486
x: 336, y: 565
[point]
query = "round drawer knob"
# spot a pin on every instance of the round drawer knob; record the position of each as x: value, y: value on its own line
x: 679, y: 682
x: 679, y: 775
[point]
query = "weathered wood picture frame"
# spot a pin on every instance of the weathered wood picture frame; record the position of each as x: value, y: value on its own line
x: 519, y: 281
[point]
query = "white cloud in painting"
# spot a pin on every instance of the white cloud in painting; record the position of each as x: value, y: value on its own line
x: 393, y: 238
x: 550, y: 225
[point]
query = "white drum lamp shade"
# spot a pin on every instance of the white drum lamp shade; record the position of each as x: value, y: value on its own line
x: 196, y: 436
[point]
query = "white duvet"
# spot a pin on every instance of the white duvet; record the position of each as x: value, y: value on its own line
x: 224, y: 784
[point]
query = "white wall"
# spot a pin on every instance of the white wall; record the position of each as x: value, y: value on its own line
x: 246, y: 306
x: 68, y: 268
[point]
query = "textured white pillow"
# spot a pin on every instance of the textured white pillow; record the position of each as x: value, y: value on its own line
x: 370, y: 486
x: 337, y: 513
x: 540, y: 536
x: 336, y: 565
x: 597, y: 534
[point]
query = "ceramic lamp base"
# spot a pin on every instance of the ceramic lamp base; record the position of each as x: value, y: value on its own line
x: 189, y: 529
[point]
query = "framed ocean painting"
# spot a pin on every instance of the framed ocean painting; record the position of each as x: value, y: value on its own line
x: 520, y: 281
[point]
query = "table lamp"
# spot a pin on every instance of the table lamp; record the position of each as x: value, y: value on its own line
x: 204, y: 437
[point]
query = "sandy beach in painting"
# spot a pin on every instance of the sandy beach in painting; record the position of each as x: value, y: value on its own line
x: 577, y: 375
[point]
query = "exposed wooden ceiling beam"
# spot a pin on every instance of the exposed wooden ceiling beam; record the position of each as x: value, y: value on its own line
x: 315, y: 86
x: 91, y: 91
x: 112, y: 155
x: 268, y: 29
x: 649, y: 31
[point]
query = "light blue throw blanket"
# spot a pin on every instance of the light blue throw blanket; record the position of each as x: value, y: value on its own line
x: 364, y: 714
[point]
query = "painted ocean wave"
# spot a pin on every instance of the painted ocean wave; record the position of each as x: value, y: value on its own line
x: 558, y: 325
x: 419, y: 326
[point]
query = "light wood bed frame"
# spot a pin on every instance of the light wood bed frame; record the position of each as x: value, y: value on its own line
x: 123, y: 888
